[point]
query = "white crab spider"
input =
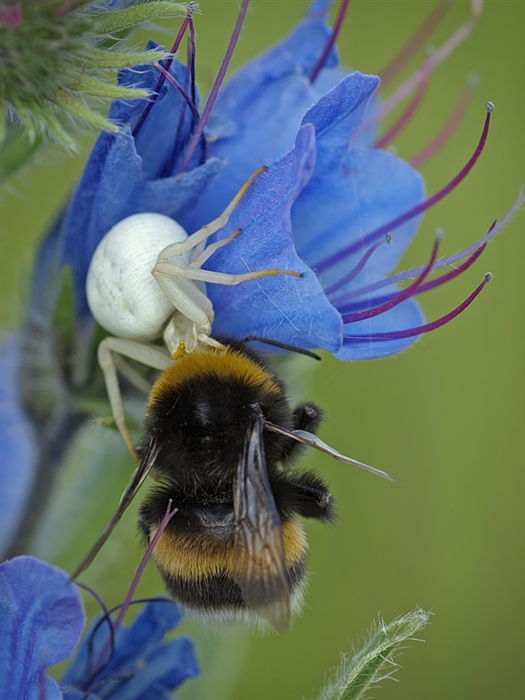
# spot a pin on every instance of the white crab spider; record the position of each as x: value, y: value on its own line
x: 138, y: 294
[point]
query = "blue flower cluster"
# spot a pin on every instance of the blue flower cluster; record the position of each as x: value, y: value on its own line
x: 316, y: 197
x: 41, y: 625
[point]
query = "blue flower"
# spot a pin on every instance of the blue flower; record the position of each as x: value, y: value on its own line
x: 138, y: 171
x: 143, y: 666
x: 130, y: 173
x: 42, y: 618
x: 323, y: 207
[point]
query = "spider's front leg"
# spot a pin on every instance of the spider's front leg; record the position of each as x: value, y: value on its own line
x: 202, y: 235
x: 148, y: 355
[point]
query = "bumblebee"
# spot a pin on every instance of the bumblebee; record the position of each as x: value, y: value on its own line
x: 220, y: 438
x: 234, y: 548
x: 219, y: 433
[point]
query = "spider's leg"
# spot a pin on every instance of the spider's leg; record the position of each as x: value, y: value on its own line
x: 146, y: 354
x: 205, y: 232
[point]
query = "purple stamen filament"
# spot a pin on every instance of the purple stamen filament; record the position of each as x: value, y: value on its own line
x: 106, y: 618
x: 331, y: 40
x: 397, y: 298
x: 409, y: 112
x: 427, y: 327
x: 453, y: 273
x: 401, y: 93
x: 160, y: 82
x: 355, y: 271
x: 338, y: 303
x: 445, y: 262
x: 216, y: 87
x: 191, y: 61
x: 181, y: 91
x: 411, y: 213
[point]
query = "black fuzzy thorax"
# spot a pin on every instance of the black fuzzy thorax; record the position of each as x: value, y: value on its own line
x: 201, y: 427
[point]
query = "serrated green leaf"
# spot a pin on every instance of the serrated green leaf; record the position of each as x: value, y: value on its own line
x: 92, y: 86
x: 117, y: 20
x: 95, y: 58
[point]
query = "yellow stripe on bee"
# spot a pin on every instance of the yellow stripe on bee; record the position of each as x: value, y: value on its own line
x: 192, y: 556
x: 225, y: 364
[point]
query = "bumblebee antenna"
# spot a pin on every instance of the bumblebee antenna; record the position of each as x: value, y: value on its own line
x: 283, y: 346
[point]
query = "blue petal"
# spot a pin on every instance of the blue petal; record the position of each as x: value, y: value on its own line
x: 329, y: 79
x: 41, y: 621
x: 178, y: 195
x: 341, y: 205
x: 337, y: 116
x: 17, y: 444
x: 406, y: 315
x: 280, y: 307
x: 164, y: 670
x: 263, y: 104
x: 143, y: 666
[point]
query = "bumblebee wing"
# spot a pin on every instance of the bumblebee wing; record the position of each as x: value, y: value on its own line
x: 307, y: 438
x: 259, y: 562
x: 136, y: 482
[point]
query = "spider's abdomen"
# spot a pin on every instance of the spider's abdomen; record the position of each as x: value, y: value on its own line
x: 122, y: 294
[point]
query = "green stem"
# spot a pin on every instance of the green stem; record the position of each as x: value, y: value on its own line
x: 356, y: 675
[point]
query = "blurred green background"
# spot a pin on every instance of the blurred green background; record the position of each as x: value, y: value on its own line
x: 446, y: 417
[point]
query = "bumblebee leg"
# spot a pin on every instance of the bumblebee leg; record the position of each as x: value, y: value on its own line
x: 314, y: 499
x: 306, y: 416
x: 303, y: 494
x: 148, y: 355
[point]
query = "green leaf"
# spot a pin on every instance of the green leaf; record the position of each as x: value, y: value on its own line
x: 95, y: 58
x: 358, y: 674
x: 92, y: 86
x: 117, y: 20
